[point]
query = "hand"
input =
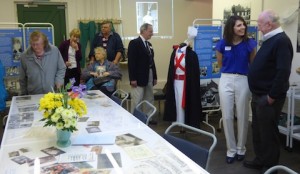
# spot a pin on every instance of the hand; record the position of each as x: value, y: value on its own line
x: 92, y: 60
x: 133, y: 84
x: 154, y: 82
x: 68, y: 63
x: 94, y: 74
x: 115, y: 62
x: 58, y: 86
x: 106, y: 74
x: 270, y: 100
x: 74, y: 45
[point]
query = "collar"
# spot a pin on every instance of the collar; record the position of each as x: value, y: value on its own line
x: 143, y: 39
x: 111, y: 33
x: 272, y: 33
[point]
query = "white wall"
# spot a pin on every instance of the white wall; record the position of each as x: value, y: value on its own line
x: 283, y: 8
x: 185, y: 11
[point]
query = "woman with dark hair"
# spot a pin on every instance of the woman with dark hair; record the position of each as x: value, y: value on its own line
x: 234, y: 54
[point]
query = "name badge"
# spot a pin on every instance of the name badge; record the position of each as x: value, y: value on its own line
x: 227, y: 48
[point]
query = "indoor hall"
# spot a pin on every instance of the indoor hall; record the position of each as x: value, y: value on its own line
x: 171, y: 19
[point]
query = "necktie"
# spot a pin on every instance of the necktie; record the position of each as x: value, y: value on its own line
x: 147, y: 46
x: 150, y: 54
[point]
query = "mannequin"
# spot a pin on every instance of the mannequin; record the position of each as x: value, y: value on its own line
x: 183, y: 99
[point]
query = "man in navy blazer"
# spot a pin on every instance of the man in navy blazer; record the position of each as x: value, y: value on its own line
x: 141, y: 67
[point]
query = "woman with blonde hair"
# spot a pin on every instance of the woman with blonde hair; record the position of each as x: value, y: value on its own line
x: 71, y: 52
x: 101, y: 68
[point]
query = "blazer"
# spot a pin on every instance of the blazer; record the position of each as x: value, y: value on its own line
x: 139, y: 62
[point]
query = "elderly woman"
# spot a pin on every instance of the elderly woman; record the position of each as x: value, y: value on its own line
x: 101, y: 68
x: 71, y: 52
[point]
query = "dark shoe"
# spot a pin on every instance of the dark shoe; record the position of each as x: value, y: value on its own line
x: 152, y: 122
x: 253, y: 165
x: 230, y: 160
x: 240, y: 157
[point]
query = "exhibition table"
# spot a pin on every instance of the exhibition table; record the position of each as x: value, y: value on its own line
x: 28, y: 147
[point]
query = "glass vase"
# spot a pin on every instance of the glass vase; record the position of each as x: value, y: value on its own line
x: 63, y: 138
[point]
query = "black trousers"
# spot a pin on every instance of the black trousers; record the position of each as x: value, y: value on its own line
x: 265, y: 131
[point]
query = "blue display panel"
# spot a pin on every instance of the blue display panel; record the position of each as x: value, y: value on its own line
x: 204, y: 46
x: 46, y: 30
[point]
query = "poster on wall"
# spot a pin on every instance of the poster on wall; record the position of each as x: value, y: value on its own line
x: 241, y: 9
x: 46, y: 30
x: 204, y: 46
x: 11, y: 47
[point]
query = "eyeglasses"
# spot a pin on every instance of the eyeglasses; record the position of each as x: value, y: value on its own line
x: 36, y: 44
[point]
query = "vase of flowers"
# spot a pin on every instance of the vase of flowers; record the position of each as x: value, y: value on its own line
x: 62, y: 110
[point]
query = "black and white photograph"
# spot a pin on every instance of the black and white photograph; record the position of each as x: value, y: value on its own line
x: 93, y: 123
x: 104, y: 162
x: 21, y: 98
x: 13, y: 153
x: 126, y: 140
x: 24, y: 150
x: 209, y: 94
x: 83, y: 119
x: 28, y: 108
x: 17, y: 48
x: 93, y: 129
x: 21, y: 159
x: 21, y: 120
x: 243, y: 10
x: 45, y: 159
x: 53, y: 151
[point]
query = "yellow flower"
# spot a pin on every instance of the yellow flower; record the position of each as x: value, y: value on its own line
x: 62, y: 111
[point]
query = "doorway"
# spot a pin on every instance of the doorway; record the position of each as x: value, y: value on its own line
x: 45, y: 13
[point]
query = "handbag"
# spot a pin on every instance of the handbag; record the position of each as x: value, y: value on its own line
x: 99, y: 81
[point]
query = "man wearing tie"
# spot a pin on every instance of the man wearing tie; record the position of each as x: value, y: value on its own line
x: 141, y: 67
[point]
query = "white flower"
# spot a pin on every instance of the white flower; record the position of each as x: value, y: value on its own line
x: 68, y: 123
x: 59, y: 110
x: 59, y: 126
x: 55, y: 117
x: 67, y: 114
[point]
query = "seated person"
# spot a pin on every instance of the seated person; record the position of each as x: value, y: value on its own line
x: 100, y: 68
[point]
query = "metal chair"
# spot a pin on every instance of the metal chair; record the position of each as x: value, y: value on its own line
x: 199, y: 154
x: 145, y: 117
x: 119, y: 96
x: 280, y: 167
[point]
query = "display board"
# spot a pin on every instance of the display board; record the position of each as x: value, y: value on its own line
x: 46, y: 30
x: 13, y: 42
x: 204, y: 46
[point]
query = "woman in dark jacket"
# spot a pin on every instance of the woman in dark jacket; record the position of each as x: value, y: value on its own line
x: 71, y: 52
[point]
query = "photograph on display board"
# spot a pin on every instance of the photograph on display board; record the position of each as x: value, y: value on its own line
x: 241, y: 9
x: 17, y: 48
x: 12, y: 71
x: 209, y: 94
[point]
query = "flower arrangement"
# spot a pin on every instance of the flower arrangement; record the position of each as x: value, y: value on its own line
x: 62, y: 109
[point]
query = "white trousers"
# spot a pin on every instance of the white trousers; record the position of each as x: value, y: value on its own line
x: 139, y: 93
x: 234, y: 90
x: 178, y: 90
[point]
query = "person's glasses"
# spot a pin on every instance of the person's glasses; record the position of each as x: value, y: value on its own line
x: 36, y: 44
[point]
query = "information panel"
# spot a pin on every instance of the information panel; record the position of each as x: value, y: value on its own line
x: 204, y: 46
x: 46, y: 30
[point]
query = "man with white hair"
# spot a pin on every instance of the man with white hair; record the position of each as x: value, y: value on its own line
x: 269, y: 81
